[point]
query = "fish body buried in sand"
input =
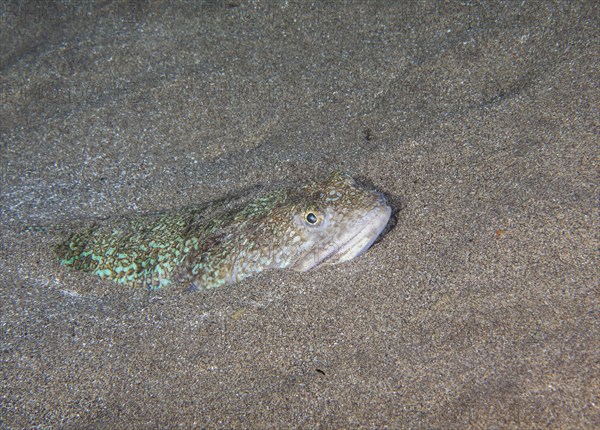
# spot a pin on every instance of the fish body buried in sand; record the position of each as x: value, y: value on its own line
x: 324, y: 222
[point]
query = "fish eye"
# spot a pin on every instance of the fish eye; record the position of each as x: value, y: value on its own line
x: 311, y: 218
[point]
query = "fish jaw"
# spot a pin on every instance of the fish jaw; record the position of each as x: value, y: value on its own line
x: 374, y: 224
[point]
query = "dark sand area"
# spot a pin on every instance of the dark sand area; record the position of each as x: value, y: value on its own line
x: 478, y: 310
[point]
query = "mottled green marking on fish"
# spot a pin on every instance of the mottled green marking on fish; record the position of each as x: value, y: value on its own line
x: 324, y: 222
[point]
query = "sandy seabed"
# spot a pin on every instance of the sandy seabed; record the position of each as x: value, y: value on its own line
x: 479, y: 121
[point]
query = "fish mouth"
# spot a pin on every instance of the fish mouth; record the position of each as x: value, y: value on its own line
x: 376, y: 220
x: 350, y: 243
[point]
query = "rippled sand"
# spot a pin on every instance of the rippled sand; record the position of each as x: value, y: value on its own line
x: 481, y: 125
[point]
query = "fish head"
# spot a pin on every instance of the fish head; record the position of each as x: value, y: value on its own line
x: 331, y: 221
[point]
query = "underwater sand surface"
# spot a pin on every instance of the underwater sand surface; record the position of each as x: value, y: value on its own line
x: 480, y: 123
